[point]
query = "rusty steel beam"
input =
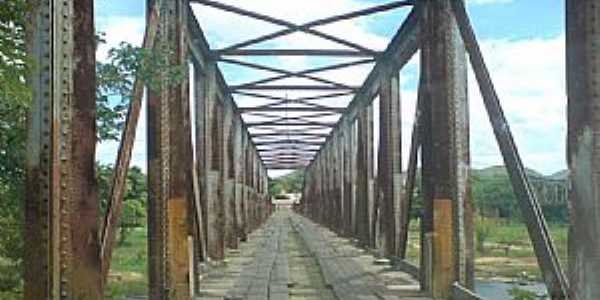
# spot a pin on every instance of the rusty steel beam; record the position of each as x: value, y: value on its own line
x: 214, y: 163
x: 273, y: 87
x: 277, y: 117
x: 389, y: 179
x: 118, y: 184
x: 280, y: 22
x: 168, y: 169
x: 284, y: 124
x: 294, y: 52
x: 324, y: 21
x: 258, y: 95
x: 583, y: 88
x: 289, y: 148
x: 364, y: 176
x: 290, y: 139
x: 61, y: 204
x: 266, y: 159
x: 335, y: 110
x: 289, y: 142
x: 312, y: 115
x: 200, y: 218
x: 227, y: 178
x: 285, y: 166
x: 323, y: 96
x: 301, y: 100
x: 443, y: 60
x: 292, y: 131
x: 237, y: 177
x: 281, y: 71
x: 315, y: 70
x: 287, y: 152
x: 277, y: 134
x: 536, y: 225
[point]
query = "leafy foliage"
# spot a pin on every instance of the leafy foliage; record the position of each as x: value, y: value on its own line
x: 14, y: 101
x: 521, y: 294
x: 115, y: 79
x: 290, y: 183
x: 134, y: 200
x: 114, y: 87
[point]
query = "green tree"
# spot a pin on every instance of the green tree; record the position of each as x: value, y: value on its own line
x: 134, y: 199
x: 290, y: 183
x: 14, y: 101
x: 114, y: 86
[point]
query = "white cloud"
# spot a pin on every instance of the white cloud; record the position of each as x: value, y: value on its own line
x: 528, y: 74
x: 117, y: 30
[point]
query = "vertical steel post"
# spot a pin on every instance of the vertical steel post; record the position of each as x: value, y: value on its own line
x: 61, y: 211
x: 390, y: 162
x: 168, y: 169
x: 583, y: 88
x: 365, y: 176
x: 237, y: 181
x: 200, y: 86
x: 228, y: 176
x: 446, y: 157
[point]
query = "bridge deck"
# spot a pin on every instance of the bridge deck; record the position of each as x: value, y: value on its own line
x: 292, y: 257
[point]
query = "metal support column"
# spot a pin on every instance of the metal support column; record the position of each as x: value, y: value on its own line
x: 448, y: 256
x: 390, y: 162
x: 168, y: 173
x: 61, y: 209
x: 583, y: 87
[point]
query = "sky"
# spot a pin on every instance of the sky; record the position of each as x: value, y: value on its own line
x: 522, y: 43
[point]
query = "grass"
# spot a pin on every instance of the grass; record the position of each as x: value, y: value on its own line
x: 128, y: 274
x: 507, y: 251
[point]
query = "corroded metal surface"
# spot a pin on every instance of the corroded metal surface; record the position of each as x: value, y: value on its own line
x: 583, y: 86
x: 444, y: 62
x: 61, y: 259
x: 217, y: 200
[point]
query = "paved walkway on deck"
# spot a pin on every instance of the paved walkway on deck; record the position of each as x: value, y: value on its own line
x: 291, y: 257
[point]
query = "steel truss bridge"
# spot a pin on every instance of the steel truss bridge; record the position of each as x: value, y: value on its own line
x: 209, y: 192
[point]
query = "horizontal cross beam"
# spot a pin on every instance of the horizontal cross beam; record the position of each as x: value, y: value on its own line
x: 281, y: 71
x: 288, y: 148
x: 324, y: 21
x: 244, y: 110
x: 281, y: 22
x: 284, y: 167
x: 271, y: 123
x: 289, y: 142
x: 217, y: 54
x: 275, y: 87
x: 278, y: 117
x: 316, y: 70
x: 275, y: 134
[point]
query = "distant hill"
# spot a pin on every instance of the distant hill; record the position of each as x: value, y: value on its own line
x: 560, y: 175
x: 292, y: 183
x: 501, y: 170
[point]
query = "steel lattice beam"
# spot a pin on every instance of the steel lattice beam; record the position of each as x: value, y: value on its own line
x: 322, y: 22
x: 280, y: 22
